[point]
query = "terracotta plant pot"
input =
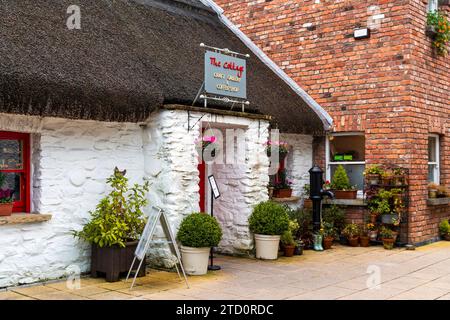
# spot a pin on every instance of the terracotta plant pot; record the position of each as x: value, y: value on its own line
x: 282, y: 193
x: 364, y: 241
x: 327, y: 243
x: 341, y: 194
x: 6, y: 209
x: 353, y: 242
x: 307, y: 204
x: 289, y: 250
x: 388, y: 244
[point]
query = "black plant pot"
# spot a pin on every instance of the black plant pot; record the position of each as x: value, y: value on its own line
x: 299, y: 250
x: 343, y: 240
x: 114, y: 261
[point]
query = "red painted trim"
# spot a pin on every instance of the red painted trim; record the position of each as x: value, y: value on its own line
x: 25, y: 205
x: 201, y: 184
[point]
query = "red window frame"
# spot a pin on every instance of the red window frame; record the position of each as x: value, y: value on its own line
x: 24, y: 204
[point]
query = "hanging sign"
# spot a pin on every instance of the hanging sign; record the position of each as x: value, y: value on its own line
x: 225, y: 75
x: 214, y: 187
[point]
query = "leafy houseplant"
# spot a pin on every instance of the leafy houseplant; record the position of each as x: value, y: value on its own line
x: 351, y: 231
x: 388, y: 237
x: 115, y: 226
x: 283, y: 148
x: 329, y: 234
x: 334, y: 215
x: 341, y: 186
x: 6, y: 198
x: 444, y: 229
x: 198, y: 232
x: 288, y: 243
x: 268, y: 221
x: 373, y: 174
x: 438, y: 26
x: 282, y: 185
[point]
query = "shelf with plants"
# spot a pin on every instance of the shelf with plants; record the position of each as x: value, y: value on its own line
x: 438, y: 195
x: 387, y: 195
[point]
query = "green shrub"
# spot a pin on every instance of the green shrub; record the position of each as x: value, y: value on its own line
x: 334, y: 215
x: 269, y: 218
x: 444, y: 227
x: 199, y: 230
x: 340, y: 179
x: 287, y: 239
x: 351, y: 230
x: 386, y: 233
x: 118, y: 218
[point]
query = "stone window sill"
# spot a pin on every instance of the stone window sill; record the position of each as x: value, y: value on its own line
x: 290, y: 199
x: 23, y: 218
x: 346, y: 202
x: 438, y: 201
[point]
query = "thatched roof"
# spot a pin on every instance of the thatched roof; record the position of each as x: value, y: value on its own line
x: 128, y: 59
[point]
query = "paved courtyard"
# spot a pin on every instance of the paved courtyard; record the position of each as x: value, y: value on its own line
x: 340, y: 273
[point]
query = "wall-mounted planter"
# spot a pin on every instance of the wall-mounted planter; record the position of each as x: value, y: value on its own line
x: 438, y: 201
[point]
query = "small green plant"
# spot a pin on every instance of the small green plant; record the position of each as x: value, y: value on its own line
x: 340, y: 180
x: 287, y: 239
x: 334, y: 215
x: 269, y: 218
x: 118, y: 218
x: 380, y: 203
x: 306, y: 190
x: 199, y: 230
x: 444, y: 227
x: 329, y: 231
x: 386, y: 233
x: 373, y: 169
x: 441, y: 25
x: 351, y: 231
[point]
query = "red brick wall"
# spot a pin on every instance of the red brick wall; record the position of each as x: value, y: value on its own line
x: 390, y: 86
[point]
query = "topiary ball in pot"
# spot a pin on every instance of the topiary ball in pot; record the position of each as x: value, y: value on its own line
x: 198, y: 232
x: 268, y: 221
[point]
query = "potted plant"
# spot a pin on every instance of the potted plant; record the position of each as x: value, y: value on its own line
x: 364, y: 239
x: 299, y: 246
x: 444, y: 229
x: 398, y: 177
x: 438, y: 28
x: 329, y: 234
x: 386, y: 177
x: 6, y: 198
x: 351, y: 232
x: 282, y: 185
x: 340, y: 184
x: 281, y: 146
x: 268, y: 221
x: 372, y: 231
x: 115, y: 226
x: 288, y: 243
x: 432, y: 190
x: 442, y: 192
x: 387, y: 236
x: 198, y: 233
x: 307, y: 202
x: 373, y: 174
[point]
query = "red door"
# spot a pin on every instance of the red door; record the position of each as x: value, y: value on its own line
x: 202, y: 174
x: 15, y: 165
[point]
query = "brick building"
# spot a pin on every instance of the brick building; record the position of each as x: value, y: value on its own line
x: 388, y: 94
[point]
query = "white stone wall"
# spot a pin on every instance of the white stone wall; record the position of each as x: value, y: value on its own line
x: 298, y: 162
x: 71, y: 161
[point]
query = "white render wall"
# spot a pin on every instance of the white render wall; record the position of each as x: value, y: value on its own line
x: 298, y: 162
x: 71, y: 161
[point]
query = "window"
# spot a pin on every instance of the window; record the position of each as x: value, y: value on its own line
x: 347, y: 149
x: 433, y: 158
x: 433, y: 5
x: 15, y: 165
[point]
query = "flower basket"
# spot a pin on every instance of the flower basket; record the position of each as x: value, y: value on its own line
x: 388, y: 244
x: 6, y: 209
x: 282, y: 193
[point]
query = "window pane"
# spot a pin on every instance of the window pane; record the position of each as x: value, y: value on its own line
x: 432, y: 173
x: 354, y: 172
x: 432, y: 149
x: 11, y: 155
x: 12, y: 182
x: 347, y: 148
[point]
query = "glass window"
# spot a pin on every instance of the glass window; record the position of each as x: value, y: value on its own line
x: 433, y: 158
x: 347, y: 149
x: 14, y: 165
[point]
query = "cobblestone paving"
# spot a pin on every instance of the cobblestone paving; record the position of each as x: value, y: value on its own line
x: 340, y: 273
